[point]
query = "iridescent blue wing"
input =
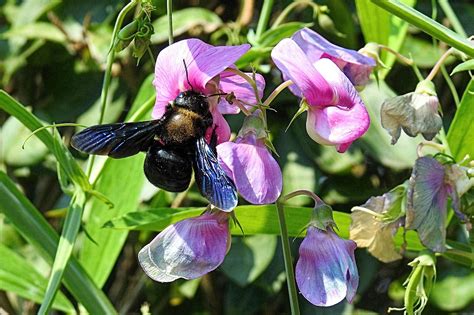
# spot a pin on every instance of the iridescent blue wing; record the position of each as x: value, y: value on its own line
x: 116, y: 140
x: 211, y: 179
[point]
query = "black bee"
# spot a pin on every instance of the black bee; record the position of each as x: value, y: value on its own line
x: 174, y: 145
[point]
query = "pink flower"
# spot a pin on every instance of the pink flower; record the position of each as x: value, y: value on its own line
x: 205, y: 65
x: 355, y: 66
x: 187, y: 249
x: 250, y: 164
x: 336, y: 114
x: 326, y: 271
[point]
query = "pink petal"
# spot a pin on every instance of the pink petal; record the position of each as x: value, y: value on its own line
x: 230, y: 82
x: 326, y: 272
x: 295, y: 65
x: 187, y: 249
x: 220, y: 126
x: 355, y: 65
x: 254, y: 171
x: 203, y: 62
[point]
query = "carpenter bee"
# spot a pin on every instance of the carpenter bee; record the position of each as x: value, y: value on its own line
x: 174, y: 145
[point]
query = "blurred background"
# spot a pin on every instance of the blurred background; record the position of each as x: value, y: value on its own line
x: 52, y: 59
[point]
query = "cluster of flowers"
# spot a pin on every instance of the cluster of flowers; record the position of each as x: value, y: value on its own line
x: 323, y: 75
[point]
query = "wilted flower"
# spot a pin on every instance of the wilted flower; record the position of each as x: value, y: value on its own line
x: 205, y: 66
x: 431, y: 183
x: 187, y: 249
x: 326, y: 271
x: 250, y: 164
x: 415, y: 112
x: 336, y: 114
x: 356, y: 66
x: 375, y: 223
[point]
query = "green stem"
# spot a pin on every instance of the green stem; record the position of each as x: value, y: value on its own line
x: 169, y: 13
x: 281, y: 18
x: 108, y: 71
x: 451, y: 85
x: 427, y: 25
x: 276, y: 91
x: 264, y: 17
x: 438, y: 64
x: 290, y: 276
x: 448, y: 10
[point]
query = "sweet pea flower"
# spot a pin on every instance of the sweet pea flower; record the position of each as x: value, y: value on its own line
x: 250, y: 165
x: 187, y: 249
x: 326, y: 271
x: 336, y: 114
x: 206, y: 73
x: 356, y: 66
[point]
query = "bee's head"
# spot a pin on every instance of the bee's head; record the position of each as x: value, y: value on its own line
x: 193, y: 101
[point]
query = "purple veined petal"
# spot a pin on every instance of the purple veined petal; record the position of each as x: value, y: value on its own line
x: 295, y: 66
x: 220, y: 126
x: 170, y: 74
x: 326, y: 272
x: 356, y: 66
x: 337, y: 126
x: 230, y: 82
x: 187, y: 249
x: 203, y: 62
x: 254, y: 171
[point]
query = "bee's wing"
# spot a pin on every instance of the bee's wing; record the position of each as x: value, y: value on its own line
x: 116, y: 140
x: 211, y: 179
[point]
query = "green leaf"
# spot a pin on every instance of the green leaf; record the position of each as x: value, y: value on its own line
x: 14, y: 135
x: 423, y: 53
x: 36, y: 230
x: 383, y: 28
x: 272, y: 36
x: 254, y: 220
x: 249, y: 257
x: 454, y: 291
x: 18, y: 276
x: 38, y: 30
x: 54, y: 143
x: 461, y: 132
x: 185, y: 20
x: 121, y: 181
x: 465, y: 66
x: 400, y: 156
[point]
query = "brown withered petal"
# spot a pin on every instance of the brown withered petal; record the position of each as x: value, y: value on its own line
x: 414, y: 112
x: 373, y: 233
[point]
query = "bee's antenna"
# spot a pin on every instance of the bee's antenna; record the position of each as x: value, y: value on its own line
x: 187, y: 76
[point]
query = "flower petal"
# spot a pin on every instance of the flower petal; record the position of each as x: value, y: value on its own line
x: 203, y: 62
x: 187, y: 249
x: 356, y: 66
x: 295, y: 65
x: 427, y: 202
x: 254, y: 171
x: 326, y: 271
x: 220, y: 126
x: 243, y: 91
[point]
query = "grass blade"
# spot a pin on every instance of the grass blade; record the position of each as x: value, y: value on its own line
x: 35, y: 229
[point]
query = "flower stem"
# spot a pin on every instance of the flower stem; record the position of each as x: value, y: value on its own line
x: 448, y: 11
x: 264, y: 17
x: 427, y: 25
x: 108, y: 71
x: 169, y: 13
x: 276, y: 91
x: 290, y: 276
x: 438, y: 64
x: 290, y: 8
x: 249, y: 80
x: 303, y: 192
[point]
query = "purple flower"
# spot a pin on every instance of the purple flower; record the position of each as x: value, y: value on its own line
x: 326, y: 271
x: 206, y: 65
x: 430, y: 185
x: 187, y: 249
x: 336, y: 114
x: 250, y: 164
x: 355, y: 66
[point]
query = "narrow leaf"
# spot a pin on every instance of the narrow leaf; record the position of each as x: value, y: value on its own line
x: 465, y: 66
